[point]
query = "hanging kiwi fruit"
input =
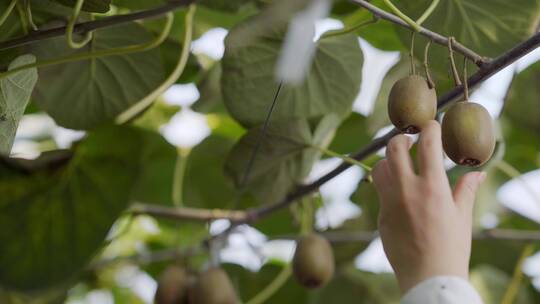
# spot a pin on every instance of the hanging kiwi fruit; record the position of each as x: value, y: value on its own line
x: 213, y: 287
x: 412, y: 100
x: 313, y: 261
x: 173, y: 286
x: 468, y: 135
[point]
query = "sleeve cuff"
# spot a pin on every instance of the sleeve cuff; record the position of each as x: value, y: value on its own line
x: 442, y: 290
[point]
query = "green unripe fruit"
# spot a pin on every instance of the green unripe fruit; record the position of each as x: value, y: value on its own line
x: 313, y: 261
x: 411, y: 104
x: 213, y: 287
x: 468, y: 135
x: 173, y: 286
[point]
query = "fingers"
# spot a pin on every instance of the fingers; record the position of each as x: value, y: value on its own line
x: 381, y: 176
x: 466, y: 187
x: 430, y: 154
x: 399, y: 159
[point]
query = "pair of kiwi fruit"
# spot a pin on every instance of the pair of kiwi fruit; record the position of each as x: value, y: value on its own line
x: 177, y: 286
x: 313, y: 261
x: 468, y: 134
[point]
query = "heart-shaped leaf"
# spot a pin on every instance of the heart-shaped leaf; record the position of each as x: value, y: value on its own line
x: 284, y: 156
x: 100, y: 88
x: 56, y: 211
x: 94, y: 6
x: 15, y: 91
x: 249, y: 83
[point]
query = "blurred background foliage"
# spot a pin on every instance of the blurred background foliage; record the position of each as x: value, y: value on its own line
x: 65, y: 234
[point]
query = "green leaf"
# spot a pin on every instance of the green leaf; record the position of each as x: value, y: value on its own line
x: 211, y: 99
x: 249, y: 284
x: 351, y: 134
x: 522, y: 104
x: 15, y: 91
x: 249, y: 85
x: 204, y: 171
x: 138, y: 4
x: 487, y: 27
x: 283, y: 159
x: 62, y: 210
x: 94, y: 6
x: 85, y: 94
x: 225, y: 5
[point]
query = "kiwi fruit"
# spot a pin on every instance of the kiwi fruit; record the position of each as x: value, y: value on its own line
x: 173, y: 286
x: 313, y: 261
x: 468, y: 135
x: 411, y: 103
x: 213, y: 287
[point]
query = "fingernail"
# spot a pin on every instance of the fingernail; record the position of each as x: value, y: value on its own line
x: 481, y: 177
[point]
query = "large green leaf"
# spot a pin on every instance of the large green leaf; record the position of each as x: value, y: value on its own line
x: 487, y: 27
x: 283, y: 160
x: 249, y: 284
x: 15, y: 91
x: 249, y: 83
x: 84, y: 94
x: 56, y: 212
x: 522, y: 103
x: 94, y: 6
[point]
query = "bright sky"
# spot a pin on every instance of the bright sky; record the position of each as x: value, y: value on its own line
x: 187, y: 128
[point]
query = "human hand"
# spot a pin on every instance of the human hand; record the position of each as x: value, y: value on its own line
x: 425, y: 227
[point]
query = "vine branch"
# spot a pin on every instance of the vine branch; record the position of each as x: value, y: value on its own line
x: 84, y: 27
x: 332, y: 236
x: 437, y: 38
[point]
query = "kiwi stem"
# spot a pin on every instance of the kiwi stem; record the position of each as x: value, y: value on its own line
x: 178, y: 178
x: 465, y: 77
x: 455, y: 74
x: 144, y: 103
x: 351, y: 29
x: 22, y: 18
x: 7, y: 12
x: 401, y: 15
x: 273, y: 287
x: 430, y: 82
x: 512, y: 172
x: 28, y: 10
x: 411, y: 54
x: 428, y: 12
x: 97, y: 54
x: 71, y: 25
x: 514, y: 286
x: 345, y: 158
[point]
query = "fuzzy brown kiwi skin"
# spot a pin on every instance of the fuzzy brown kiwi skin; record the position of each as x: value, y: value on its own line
x: 468, y: 134
x: 173, y: 286
x: 313, y: 261
x: 213, y: 287
x: 411, y: 104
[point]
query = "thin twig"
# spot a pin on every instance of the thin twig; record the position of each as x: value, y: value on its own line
x: 186, y: 213
x: 453, y: 69
x: 430, y: 82
x: 84, y: 27
x: 411, y: 54
x: 437, y: 38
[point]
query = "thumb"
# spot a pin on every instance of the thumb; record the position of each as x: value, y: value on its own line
x: 466, y: 186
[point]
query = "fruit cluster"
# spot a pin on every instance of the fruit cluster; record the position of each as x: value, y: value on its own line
x: 467, y: 128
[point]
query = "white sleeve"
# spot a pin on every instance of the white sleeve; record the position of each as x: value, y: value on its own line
x: 442, y: 290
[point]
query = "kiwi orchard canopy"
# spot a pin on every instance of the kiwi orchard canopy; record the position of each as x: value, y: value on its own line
x: 124, y: 200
